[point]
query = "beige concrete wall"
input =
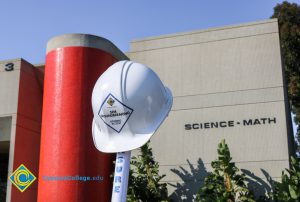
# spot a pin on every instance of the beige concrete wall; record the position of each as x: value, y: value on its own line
x: 5, y: 128
x: 9, y: 86
x: 9, y: 91
x: 231, y: 73
x: 22, y: 105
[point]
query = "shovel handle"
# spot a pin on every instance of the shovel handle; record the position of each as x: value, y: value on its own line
x: 120, y: 183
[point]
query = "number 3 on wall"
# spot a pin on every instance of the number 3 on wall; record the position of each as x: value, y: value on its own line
x: 9, y: 67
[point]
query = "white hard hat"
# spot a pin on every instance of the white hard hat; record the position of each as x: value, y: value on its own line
x: 129, y: 103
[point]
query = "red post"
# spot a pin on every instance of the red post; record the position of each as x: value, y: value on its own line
x: 73, y: 64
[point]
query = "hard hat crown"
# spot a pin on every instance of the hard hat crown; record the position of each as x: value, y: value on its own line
x: 129, y: 103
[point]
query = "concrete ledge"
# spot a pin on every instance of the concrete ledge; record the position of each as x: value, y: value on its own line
x: 251, y: 96
x: 272, y: 167
x: 85, y: 40
x: 204, y: 36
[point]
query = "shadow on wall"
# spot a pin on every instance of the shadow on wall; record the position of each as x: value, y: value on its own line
x: 259, y: 186
x: 192, y: 181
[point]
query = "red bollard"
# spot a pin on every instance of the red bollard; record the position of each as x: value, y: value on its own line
x: 73, y: 64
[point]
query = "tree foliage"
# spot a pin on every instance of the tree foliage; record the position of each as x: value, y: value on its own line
x: 224, y: 183
x: 144, y: 179
x: 288, y: 15
x: 288, y: 190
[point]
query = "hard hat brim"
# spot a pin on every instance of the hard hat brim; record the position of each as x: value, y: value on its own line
x: 122, y: 142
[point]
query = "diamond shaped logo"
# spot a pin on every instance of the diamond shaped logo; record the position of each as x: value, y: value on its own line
x: 114, y: 113
x: 110, y: 101
x: 22, y: 178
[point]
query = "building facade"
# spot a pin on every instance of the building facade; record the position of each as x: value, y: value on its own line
x: 21, y: 98
x: 228, y: 83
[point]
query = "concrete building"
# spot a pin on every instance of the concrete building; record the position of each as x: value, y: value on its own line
x: 227, y: 83
x: 21, y: 97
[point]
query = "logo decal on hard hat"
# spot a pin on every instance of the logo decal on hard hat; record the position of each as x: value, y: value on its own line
x: 110, y: 101
x: 114, y: 113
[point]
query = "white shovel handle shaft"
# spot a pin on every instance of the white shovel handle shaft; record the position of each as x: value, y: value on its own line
x: 120, y: 183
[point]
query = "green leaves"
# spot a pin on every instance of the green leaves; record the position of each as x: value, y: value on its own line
x: 144, y: 179
x: 224, y: 183
x: 288, y: 190
x: 292, y: 192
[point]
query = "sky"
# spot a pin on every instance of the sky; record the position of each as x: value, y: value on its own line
x: 26, y: 26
